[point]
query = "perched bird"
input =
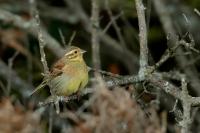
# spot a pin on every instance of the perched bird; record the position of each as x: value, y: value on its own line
x: 68, y: 75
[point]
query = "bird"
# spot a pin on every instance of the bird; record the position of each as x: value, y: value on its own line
x: 69, y: 75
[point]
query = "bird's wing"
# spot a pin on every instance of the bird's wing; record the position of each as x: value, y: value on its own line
x: 55, y: 71
x: 60, y: 84
x: 57, y: 68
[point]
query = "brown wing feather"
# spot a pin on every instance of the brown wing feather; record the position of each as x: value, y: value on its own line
x: 57, y: 68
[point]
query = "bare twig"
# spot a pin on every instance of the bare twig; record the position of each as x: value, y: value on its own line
x: 42, y: 44
x: 56, y: 99
x: 95, y: 40
x: 71, y: 38
x: 148, y: 13
x: 169, y: 53
x: 95, y: 34
x: 197, y: 11
x: 117, y: 29
x: 186, y: 121
x: 62, y: 37
x: 35, y: 16
x: 105, y: 73
x: 171, y: 75
x: 142, y: 37
x: 114, y: 18
x: 10, y: 66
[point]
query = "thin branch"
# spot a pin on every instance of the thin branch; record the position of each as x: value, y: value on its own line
x: 117, y: 29
x: 105, y: 73
x: 197, y: 11
x: 142, y: 37
x: 186, y: 121
x: 95, y: 34
x: 95, y: 41
x: 71, y: 38
x: 42, y: 44
x: 169, y: 53
x: 148, y: 13
x: 174, y: 75
x: 62, y: 37
x: 114, y: 18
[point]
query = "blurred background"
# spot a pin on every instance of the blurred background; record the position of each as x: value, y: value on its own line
x: 20, y: 66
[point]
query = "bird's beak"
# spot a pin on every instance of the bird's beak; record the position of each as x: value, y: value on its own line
x: 83, y: 51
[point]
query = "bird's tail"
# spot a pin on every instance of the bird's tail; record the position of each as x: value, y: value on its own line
x: 39, y: 87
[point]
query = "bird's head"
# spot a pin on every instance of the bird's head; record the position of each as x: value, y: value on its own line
x: 74, y: 53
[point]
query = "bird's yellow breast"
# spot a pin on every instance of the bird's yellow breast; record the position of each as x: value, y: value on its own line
x: 73, y: 79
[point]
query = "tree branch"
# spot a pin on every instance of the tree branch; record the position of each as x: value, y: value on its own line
x: 142, y: 37
x: 95, y: 34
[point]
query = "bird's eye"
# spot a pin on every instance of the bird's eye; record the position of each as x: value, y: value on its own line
x: 75, y: 52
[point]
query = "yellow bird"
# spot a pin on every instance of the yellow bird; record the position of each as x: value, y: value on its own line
x: 69, y: 74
